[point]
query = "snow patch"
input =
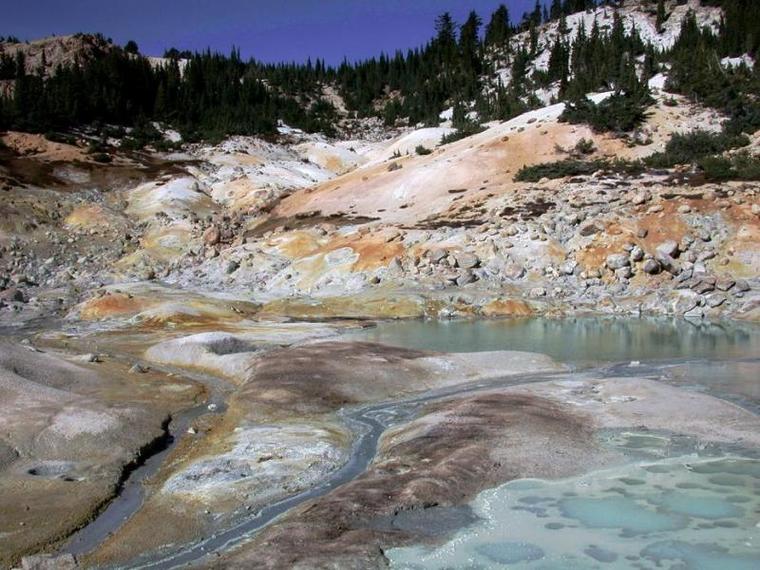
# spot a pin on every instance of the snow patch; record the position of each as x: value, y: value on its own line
x: 733, y: 62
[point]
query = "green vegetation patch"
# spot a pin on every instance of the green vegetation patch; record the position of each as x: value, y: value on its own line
x: 620, y: 112
x: 685, y: 148
x: 574, y: 167
x: 742, y: 166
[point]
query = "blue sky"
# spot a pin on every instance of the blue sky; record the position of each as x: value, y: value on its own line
x: 272, y: 30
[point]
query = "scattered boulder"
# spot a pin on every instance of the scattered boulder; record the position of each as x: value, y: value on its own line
x: 437, y: 255
x: 617, y: 261
x: 513, y: 271
x: 13, y: 294
x: 465, y: 278
x: 624, y: 273
x: 641, y: 198
x: 668, y: 263
x: 89, y: 357
x: 668, y: 248
x: 742, y: 286
x: 568, y: 267
x: 467, y: 260
x: 212, y: 235
x: 651, y: 266
x: 589, y: 230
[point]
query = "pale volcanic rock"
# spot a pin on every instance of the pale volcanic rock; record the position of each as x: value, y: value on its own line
x: 174, y: 198
x: 64, y: 445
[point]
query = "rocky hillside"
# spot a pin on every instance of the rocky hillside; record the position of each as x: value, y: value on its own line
x: 185, y: 294
x: 637, y: 16
x: 47, y: 54
x: 313, y: 228
x: 532, y: 215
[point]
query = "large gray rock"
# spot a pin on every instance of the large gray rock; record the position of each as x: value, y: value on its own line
x: 716, y: 300
x: 668, y: 248
x: 695, y: 313
x: 685, y: 303
x: 704, y: 286
x: 467, y: 260
x: 436, y: 255
x: 618, y: 261
x: 465, y: 278
x: 651, y: 266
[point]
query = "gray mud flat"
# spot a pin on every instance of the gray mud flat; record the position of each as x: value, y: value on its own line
x: 369, y: 423
x: 369, y: 431
x: 131, y: 492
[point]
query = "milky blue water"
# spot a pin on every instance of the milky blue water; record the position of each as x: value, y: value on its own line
x: 680, y: 513
x: 675, y: 505
x: 577, y: 340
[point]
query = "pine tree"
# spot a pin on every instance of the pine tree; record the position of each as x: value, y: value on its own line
x: 498, y: 28
x: 445, y: 31
x: 559, y: 62
x: 562, y: 26
x: 469, y: 47
x: 520, y: 62
x: 218, y: 95
x: 533, y: 39
x: 556, y: 9
x: 661, y: 16
x: 740, y: 31
x: 535, y: 16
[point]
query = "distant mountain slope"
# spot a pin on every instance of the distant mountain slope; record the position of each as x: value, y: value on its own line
x: 637, y: 14
x: 469, y: 77
x: 49, y: 53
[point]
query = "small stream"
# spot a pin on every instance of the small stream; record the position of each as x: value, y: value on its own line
x: 368, y: 423
x: 131, y: 492
x: 678, y: 351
